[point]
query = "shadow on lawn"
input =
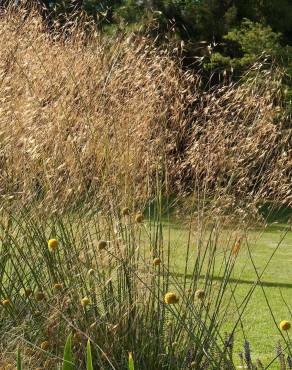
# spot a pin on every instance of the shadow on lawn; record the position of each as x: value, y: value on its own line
x: 237, y: 281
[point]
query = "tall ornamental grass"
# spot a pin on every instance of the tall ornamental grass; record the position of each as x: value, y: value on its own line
x: 112, y: 279
x: 83, y: 114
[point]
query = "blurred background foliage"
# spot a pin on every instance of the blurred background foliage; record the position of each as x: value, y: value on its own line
x: 222, y: 38
x: 226, y: 36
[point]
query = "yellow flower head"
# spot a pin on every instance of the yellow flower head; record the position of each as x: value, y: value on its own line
x: 171, y: 298
x: 6, y: 302
x: 139, y: 218
x: 45, y: 345
x: 58, y: 286
x: 53, y: 244
x: 285, y: 325
x: 39, y: 296
x: 125, y: 211
x: 200, y: 294
x: 84, y: 301
x: 156, y: 261
x: 102, y: 244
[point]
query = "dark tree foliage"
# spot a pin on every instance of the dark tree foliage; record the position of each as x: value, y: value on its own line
x: 194, y: 19
x: 226, y: 34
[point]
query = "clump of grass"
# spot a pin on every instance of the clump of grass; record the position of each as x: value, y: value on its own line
x: 128, y: 303
x: 121, y: 305
x: 84, y: 116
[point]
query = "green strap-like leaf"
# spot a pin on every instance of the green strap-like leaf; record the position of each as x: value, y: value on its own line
x: 131, y: 361
x: 68, y: 358
x: 19, y: 366
x: 89, y: 356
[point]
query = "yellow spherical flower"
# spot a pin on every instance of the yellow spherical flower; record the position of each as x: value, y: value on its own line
x: 39, y: 296
x: 139, y: 218
x: 285, y: 325
x: 6, y: 302
x: 200, y: 294
x: 53, y: 244
x: 171, y: 298
x: 84, y: 301
x: 102, y: 244
x: 156, y: 261
x: 45, y: 345
x: 58, y: 286
x: 125, y: 211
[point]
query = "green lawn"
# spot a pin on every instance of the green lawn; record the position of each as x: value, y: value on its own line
x: 259, y: 325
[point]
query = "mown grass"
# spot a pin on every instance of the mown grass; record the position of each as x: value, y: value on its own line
x: 259, y: 327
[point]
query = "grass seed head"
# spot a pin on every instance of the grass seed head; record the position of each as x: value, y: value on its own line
x: 58, y: 286
x: 45, y: 345
x: 85, y: 301
x: 102, y: 244
x: 6, y: 302
x: 236, y: 248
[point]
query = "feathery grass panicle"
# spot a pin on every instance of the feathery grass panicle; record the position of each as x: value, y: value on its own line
x: 80, y: 94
